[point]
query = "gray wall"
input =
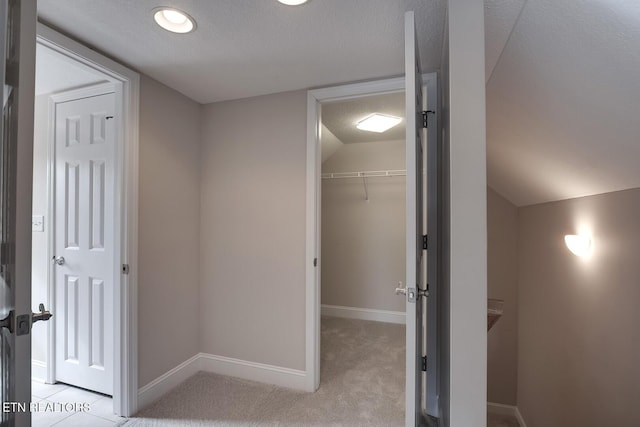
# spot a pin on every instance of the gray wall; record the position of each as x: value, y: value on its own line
x: 363, y: 243
x: 168, y: 230
x: 252, y: 291
x: 579, y: 341
x: 502, y: 270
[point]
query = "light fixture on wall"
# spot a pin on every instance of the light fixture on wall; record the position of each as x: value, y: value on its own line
x: 174, y: 20
x: 578, y: 244
x: 293, y: 2
x: 377, y: 122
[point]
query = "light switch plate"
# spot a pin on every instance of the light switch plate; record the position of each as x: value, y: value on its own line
x: 37, y: 223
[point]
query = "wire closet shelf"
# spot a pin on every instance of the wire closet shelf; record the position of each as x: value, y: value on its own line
x: 364, y: 175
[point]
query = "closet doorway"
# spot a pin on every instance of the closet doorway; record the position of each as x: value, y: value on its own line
x: 363, y: 253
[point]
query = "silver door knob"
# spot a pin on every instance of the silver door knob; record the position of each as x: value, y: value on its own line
x: 401, y: 289
x: 43, y: 315
x: 59, y: 260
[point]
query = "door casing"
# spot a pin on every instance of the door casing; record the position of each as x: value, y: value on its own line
x: 315, y: 98
x: 126, y: 84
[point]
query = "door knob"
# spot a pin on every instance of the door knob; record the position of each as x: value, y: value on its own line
x: 401, y: 289
x: 58, y: 260
x: 44, y: 315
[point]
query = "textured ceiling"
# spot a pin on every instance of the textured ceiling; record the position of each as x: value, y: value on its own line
x: 245, y: 48
x: 341, y: 117
x: 562, y: 76
x: 563, y: 101
x: 54, y: 74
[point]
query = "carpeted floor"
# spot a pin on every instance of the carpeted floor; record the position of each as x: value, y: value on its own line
x: 494, y: 420
x: 362, y: 383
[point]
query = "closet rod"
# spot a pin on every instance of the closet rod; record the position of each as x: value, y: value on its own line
x: 364, y: 174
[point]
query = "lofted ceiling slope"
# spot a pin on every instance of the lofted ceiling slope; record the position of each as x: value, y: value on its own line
x: 563, y: 100
x: 245, y: 48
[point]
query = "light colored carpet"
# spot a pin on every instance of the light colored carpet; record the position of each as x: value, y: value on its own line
x: 494, y: 420
x: 362, y: 383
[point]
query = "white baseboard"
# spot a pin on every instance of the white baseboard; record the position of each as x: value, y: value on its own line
x: 259, y: 372
x: 167, y: 381
x: 38, y: 371
x: 269, y: 374
x: 500, y: 409
x: 364, y: 314
x: 519, y: 418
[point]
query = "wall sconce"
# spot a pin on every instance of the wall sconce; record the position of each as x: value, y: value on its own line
x: 579, y: 245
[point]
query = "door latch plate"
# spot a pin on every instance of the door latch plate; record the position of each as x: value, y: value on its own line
x: 411, y: 294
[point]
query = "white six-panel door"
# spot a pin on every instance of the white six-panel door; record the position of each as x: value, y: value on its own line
x: 84, y: 237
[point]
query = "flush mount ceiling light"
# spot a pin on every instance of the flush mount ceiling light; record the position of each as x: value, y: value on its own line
x: 174, y: 20
x: 579, y: 245
x: 293, y: 2
x: 378, y: 123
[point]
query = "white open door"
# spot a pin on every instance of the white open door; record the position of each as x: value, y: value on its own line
x: 17, y: 63
x: 415, y: 288
x: 424, y: 214
x: 84, y: 240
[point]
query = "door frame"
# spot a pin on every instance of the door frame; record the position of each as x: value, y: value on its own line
x: 315, y: 98
x: 126, y: 84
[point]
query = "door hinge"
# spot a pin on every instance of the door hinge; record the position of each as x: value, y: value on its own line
x: 424, y: 363
x: 424, y: 242
x: 125, y: 268
x: 425, y: 118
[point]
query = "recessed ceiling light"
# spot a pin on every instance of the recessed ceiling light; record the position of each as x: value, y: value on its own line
x: 174, y: 20
x: 293, y: 2
x: 378, y: 122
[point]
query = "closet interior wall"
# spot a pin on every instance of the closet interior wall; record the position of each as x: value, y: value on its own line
x: 363, y: 241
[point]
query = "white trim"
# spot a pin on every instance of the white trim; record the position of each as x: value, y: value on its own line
x: 501, y: 409
x: 519, y: 418
x: 51, y: 330
x: 312, y: 286
x: 312, y: 261
x: 83, y: 92
x: 364, y: 314
x: 168, y: 381
x: 259, y: 372
x: 127, y: 86
x: 38, y: 371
